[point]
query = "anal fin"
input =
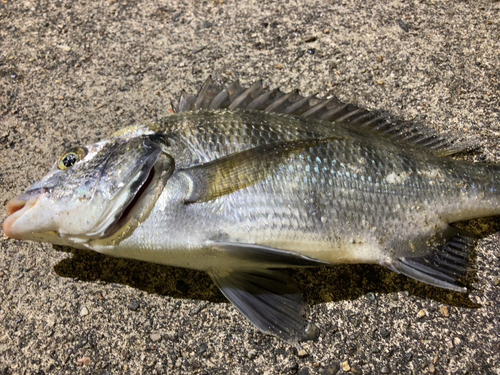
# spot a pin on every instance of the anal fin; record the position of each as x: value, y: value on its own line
x: 268, y: 298
x: 443, y: 267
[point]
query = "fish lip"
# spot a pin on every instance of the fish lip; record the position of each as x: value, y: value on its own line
x: 15, y: 204
x: 17, y: 207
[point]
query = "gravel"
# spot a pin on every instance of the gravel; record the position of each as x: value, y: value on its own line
x: 73, y: 72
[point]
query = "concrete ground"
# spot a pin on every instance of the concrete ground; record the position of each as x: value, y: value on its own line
x: 72, y: 72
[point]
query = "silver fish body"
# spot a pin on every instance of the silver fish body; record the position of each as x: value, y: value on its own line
x: 349, y: 199
x: 238, y: 192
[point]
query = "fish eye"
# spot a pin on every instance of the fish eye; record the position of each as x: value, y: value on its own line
x: 71, y: 157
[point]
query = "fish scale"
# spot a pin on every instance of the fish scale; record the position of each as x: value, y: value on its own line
x: 345, y: 188
x: 239, y: 193
x: 343, y: 178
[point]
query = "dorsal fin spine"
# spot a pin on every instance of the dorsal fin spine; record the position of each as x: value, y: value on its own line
x: 332, y: 112
x: 212, y: 97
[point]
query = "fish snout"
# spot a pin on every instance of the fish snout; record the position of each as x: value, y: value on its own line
x: 16, y: 207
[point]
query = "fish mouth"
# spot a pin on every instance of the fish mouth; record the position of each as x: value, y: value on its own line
x: 16, y: 208
x: 14, y: 205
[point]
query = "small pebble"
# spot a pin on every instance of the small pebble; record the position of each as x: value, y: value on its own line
x: 432, y: 369
x: 496, y: 281
x: 420, y: 314
x: 303, y: 353
x: 84, y: 361
x: 384, y: 332
x: 444, y: 311
x: 252, y: 354
x: 198, y: 49
x: 385, y: 370
x: 84, y: 311
x: 331, y: 369
x: 195, y: 310
x: 134, y: 305
x: 403, y: 26
x: 202, y: 348
x: 155, y: 336
x: 278, y: 66
x: 345, y: 366
x: 312, y: 332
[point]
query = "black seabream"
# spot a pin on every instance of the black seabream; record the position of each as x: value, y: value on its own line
x: 241, y: 182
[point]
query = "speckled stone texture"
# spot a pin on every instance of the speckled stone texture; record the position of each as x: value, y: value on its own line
x: 72, y: 72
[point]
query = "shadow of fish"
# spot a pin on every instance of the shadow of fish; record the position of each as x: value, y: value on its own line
x: 240, y: 182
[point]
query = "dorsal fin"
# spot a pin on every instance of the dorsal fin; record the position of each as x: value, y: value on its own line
x: 331, y: 109
x: 206, y: 95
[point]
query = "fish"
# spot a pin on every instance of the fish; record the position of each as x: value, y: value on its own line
x: 241, y: 182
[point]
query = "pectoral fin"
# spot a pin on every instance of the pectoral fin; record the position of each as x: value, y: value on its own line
x: 267, y: 257
x: 269, y: 299
x: 240, y: 170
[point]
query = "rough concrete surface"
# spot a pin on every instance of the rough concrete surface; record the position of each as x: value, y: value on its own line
x: 72, y: 72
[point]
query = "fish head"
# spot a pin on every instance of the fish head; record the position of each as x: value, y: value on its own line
x: 92, y: 193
